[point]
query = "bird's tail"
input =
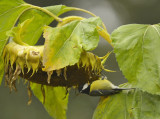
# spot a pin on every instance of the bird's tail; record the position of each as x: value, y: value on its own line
x: 124, y: 88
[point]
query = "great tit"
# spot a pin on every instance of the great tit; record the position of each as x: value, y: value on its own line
x: 101, y: 87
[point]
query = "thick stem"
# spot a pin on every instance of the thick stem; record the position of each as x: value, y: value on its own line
x: 20, y: 42
x: 47, y: 12
x: 83, y: 10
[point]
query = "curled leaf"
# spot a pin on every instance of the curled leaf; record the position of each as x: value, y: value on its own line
x: 64, y: 45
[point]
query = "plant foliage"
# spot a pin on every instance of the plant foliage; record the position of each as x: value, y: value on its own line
x: 24, y: 24
x: 133, y: 104
x: 55, y: 101
x: 73, y: 37
x: 136, y: 47
x: 137, y: 51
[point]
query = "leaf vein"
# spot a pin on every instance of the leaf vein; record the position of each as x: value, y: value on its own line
x: 11, y: 9
x: 156, y: 30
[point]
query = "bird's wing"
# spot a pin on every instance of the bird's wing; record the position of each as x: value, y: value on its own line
x: 103, y: 92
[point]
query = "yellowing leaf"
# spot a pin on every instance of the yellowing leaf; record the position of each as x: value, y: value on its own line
x: 64, y: 45
x: 56, y: 100
x: 137, y: 51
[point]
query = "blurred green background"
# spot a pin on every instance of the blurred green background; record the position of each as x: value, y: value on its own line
x: 114, y: 13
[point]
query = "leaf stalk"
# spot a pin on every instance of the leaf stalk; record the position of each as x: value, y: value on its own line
x: 47, y: 12
x: 86, y: 11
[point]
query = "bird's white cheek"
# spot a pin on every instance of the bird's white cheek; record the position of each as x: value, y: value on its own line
x: 85, y: 86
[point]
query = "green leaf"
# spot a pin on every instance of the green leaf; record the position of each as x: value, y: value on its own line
x: 34, y: 29
x: 63, y: 45
x: 56, y: 99
x: 18, y: 32
x: 137, y: 52
x: 133, y: 104
x: 9, y: 14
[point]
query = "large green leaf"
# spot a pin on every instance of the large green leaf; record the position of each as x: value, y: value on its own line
x: 63, y: 45
x: 56, y: 100
x: 133, y: 104
x: 39, y: 18
x: 137, y: 51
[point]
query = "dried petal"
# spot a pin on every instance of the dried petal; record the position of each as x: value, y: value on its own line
x: 49, y: 73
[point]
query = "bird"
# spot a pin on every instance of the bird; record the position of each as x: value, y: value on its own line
x: 100, y: 87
